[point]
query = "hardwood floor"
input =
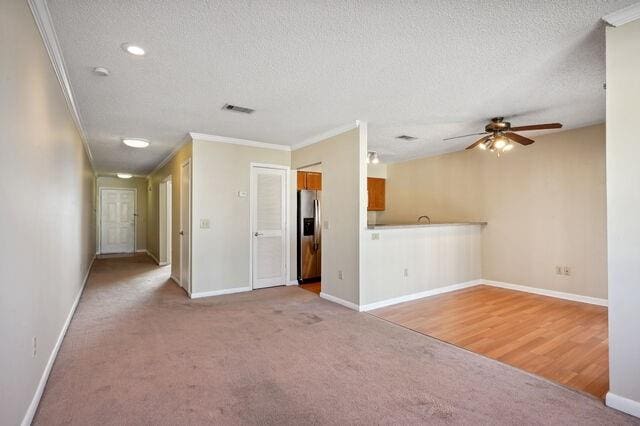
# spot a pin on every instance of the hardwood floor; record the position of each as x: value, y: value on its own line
x: 560, y: 340
x: 313, y: 287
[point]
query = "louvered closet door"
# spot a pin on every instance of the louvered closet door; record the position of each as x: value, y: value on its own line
x: 268, y: 226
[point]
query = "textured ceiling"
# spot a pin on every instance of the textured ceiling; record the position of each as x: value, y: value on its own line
x: 428, y: 69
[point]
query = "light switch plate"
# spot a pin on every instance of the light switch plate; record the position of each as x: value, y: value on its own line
x: 204, y: 224
x: 242, y: 194
x: 375, y: 236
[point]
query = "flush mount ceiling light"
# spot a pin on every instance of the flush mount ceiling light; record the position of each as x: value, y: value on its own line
x: 133, y: 49
x: 124, y: 175
x: 101, y: 71
x: 136, y: 143
x: 372, y: 157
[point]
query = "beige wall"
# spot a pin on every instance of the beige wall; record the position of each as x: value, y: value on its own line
x: 341, y: 209
x: 47, y: 220
x: 140, y: 185
x: 171, y: 168
x: 221, y: 254
x: 544, y: 204
x: 623, y: 201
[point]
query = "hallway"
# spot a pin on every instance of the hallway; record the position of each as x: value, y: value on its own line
x: 138, y: 350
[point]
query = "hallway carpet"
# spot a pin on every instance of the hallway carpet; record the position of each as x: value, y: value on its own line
x: 138, y: 351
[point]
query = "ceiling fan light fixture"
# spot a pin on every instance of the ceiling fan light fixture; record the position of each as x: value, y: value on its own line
x: 508, y: 147
x: 482, y: 146
x: 500, y: 142
x: 372, y: 157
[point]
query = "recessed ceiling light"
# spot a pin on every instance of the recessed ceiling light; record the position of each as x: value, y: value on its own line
x: 133, y: 49
x: 124, y: 175
x: 136, y: 143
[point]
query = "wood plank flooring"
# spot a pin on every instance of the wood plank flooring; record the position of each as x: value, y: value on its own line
x: 313, y: 287
x: 560, y: 340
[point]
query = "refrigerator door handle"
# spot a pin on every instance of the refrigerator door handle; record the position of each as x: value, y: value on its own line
x: 316, y: 223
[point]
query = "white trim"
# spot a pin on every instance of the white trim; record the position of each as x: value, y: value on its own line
x: 44, y: 22
x: 292, y: 282
x: 362, y: 202
x: 141, y: 251
x: 175, y: 280
x: 623, y: 16
x: 219, y: 292
x: 152, y: 256
x: 184, y: 217
x: 168, y: 158
x: 623, y: 404
x: 339, y: 301
x: 550, y: 293
x: 325, y: 135
x: 420, y: 295
x: 33, y: 406
x: 236, y: 141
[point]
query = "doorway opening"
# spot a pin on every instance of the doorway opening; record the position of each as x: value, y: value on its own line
x: 165, y: 199
x: 117, y: 220
x: 309, y: 227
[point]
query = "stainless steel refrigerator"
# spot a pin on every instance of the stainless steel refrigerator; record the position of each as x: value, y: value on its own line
x: 309, y: 236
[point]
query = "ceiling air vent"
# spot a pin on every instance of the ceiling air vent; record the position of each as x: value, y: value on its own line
x: 237, y: 108
x: 406, y: 138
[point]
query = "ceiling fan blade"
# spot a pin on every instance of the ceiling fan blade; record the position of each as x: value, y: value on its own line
x: 479, y: 141
x: 464, y: 136
x: 518, y: 138
x: 537, y: 127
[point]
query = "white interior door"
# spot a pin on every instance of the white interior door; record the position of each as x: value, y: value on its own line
x: 268, y: 213
x: 117, y: 220
x: 185, y: 227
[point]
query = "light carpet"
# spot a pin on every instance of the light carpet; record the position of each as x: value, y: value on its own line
x: 138, y: 351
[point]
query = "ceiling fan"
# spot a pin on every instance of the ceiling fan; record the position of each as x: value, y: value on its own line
x: 500, y: 137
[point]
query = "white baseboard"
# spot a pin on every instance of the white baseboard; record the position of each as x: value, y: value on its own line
x: 623, y: 404
x: 31, y: 411
x: 339, y: 301
x: 550, y: 293
x: 420, y: 295
x: 142, y: 251
x: 152, y: 256
x: 219, y: 292
x: 176, y: 280
x: 292, y: 282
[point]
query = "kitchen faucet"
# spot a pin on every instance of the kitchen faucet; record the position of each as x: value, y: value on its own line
x: 425, y: 217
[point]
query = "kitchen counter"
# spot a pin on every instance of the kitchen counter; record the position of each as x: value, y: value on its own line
x: 420, y: 225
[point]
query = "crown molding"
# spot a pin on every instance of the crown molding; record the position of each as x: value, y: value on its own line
x: 326, y: 135
x: 43, y: 20
x: 623, y: 16
x: 168, y: 158
x: 235, y: 141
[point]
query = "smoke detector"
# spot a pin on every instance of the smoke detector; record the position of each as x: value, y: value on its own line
x: 236, y: 108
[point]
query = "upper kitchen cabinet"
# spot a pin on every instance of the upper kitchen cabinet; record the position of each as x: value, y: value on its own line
x: 376, y: 192
x: 310, y: 180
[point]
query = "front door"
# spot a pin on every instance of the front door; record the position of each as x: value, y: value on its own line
x: 117, y: 220
x: 268, y: 201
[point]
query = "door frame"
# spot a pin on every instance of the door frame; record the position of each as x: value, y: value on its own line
x: 186, y: 217
x: 135, y: 212
x: 165, y: 220
x: 285, y: 202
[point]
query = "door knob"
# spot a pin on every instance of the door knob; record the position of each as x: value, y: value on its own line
x: 181, y: 233
x: 257, y: 234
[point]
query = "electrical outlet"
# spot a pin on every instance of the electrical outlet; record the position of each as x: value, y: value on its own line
x: 566, y: 271
x: 204, y: 224
x: 406, y: 272
x: 375, y: 236
x: 35, y: 346
x: 339, y: 275
x: 559, y: 270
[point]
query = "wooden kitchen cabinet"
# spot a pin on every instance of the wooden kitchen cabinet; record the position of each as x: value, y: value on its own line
x: 309, y: 180
x: 376, y: 192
